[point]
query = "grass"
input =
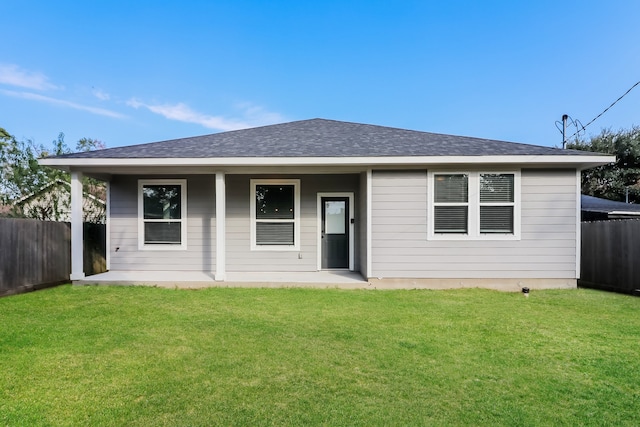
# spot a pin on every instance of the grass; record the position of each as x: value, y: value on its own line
x: 148, y: 356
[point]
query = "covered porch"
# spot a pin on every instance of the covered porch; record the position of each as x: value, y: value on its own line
x: 222, y: 245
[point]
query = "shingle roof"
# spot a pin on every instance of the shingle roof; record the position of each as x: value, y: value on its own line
x: 596, y: 204
x: 323, y: 138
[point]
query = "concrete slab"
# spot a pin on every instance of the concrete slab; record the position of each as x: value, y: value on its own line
x: 314, y: 279
x: 196, y: 279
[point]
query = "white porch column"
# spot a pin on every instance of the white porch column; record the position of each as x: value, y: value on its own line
x: 77, y: 266
x: 108, y: 226
x: 221, y: 208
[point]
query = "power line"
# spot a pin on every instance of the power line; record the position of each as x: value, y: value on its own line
x: 573, y: 122
x: 604, y: 111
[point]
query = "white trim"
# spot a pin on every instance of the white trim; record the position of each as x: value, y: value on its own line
x: 77, y: 227
x: 183, y: 215
x: 351, y: 219
x: 296, y: 216
x: 369, y: 202
x: 517, y: 210
x: 473, y: 203
x: 108, y: 227
x: 221, y: 229
x: 568, y: 159
x: 578, y: 222
x: 623, y: 213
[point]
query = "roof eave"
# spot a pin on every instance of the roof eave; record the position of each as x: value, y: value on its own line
x: 580, y: 162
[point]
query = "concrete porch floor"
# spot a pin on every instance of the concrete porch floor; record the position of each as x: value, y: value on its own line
x: 197, y: 279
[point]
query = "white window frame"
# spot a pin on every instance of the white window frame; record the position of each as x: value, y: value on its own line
x: 473, y: 203
x: 183, y: 216
x: 296, y: 215
x: 466, y: 204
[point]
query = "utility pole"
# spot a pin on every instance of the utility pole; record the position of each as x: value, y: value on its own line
x: 564, y: 131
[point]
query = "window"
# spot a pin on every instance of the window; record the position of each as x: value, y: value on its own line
x: 451, y: 203
x: 162, y: 214
x: 474, y: 205
x: 497, y: 203
x: 275, y: 217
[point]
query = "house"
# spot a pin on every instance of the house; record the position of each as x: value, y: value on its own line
x: 295, y: 202
x: 598, y: 209
x: 52, y: 202
x: 5, y: 210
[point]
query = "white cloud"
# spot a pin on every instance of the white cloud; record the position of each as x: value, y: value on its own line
x: 100, y: 94
x: 251, y: 115
x: 257, y: 115
x: 63, y: 103
x: 13, y: 75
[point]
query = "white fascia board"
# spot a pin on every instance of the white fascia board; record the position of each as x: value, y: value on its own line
x: 580, y: 161
x: 624, y: 213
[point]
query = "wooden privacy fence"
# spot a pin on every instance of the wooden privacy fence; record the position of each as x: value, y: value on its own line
x: 611, y: 256
x: 35, y: 254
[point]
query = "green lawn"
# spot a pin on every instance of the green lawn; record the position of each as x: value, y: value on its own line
x: 149, y: 356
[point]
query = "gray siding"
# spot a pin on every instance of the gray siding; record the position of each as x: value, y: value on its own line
x: 201, y: 232
x: 401, y: 249
x: 239, y: 255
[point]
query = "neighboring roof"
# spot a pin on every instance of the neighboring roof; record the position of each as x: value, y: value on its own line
x: 320, y: 142
x: 323, y: 138
x: 596, y: 204
x: 54, y: 183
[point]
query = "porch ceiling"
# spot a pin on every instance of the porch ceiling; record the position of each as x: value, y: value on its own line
x: 106, y: 172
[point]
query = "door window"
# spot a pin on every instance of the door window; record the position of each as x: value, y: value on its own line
x: 335, y: 220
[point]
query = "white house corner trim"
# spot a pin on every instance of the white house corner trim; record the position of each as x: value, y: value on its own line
x: 77, y: 246
x: 369, y: 263
x: 578, y: 221
x: 221, y: 208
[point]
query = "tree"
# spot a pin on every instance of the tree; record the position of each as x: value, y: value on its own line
x: 20, y: 173
x: 89, y: 144
x: 92, y: 186
x: 614, y: 180
x: 21, y: 176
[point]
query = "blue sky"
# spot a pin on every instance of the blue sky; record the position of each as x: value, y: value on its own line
x: 128, y: 72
